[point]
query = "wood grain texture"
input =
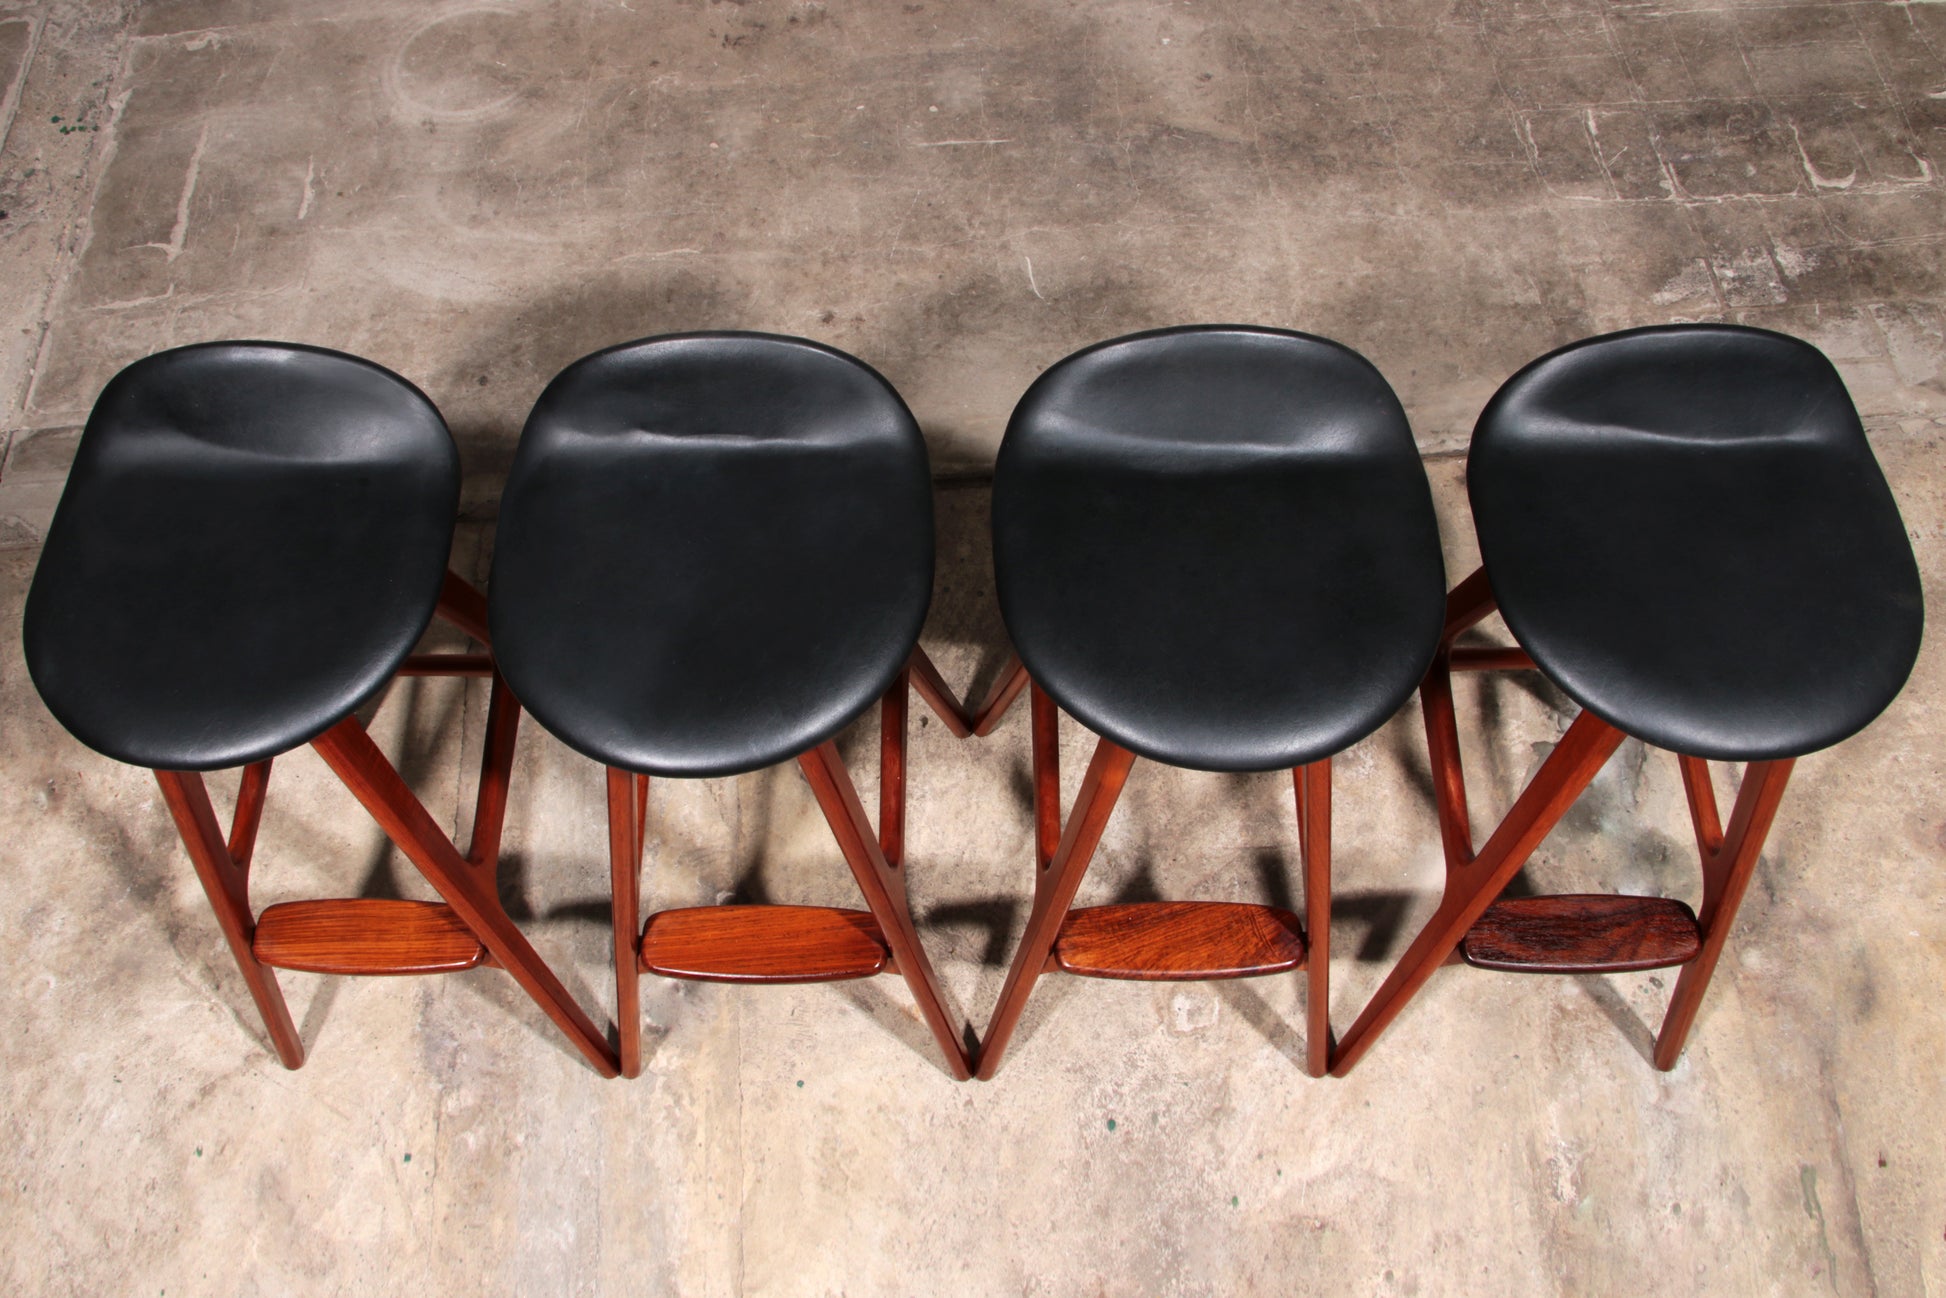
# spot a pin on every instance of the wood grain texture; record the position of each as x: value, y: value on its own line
x: 1179, y: 941
x: 1579, y: 933
x: 763, y: 944
x: 365, y: 935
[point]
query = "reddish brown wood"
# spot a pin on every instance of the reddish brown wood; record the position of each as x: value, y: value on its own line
x: 891, y: 768
x: 1489, y: 658
x: 1577, y: 933
x: 249, y: 813
x: 932, y: 687
x: 1046, y: 727
x: 496, y: 775
x: 1448, y: 773
x: 1013, y: 679
x: 627, y: 806
x: 1313, y: 788
x: 462, y: 604
x: 884, y: 889
x: 764, y: 944
x: 1179, y: 941
x: 365, y: 935
x: 1474, y: 882
x: 350, y: 752
x: 1702, y: 805
x: 1054, y: 889
x: 226, y: 882
x: 1467, y: 605
x: 1726, y: 875
x: 447, y: 665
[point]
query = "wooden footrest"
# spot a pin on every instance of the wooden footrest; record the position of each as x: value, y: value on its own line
x: 365, y: 935
x: 1582, y: 934
x: 1179, y: 941
x: 764, y: 944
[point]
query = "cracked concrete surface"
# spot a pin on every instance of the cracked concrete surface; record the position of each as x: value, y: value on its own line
x: 476, y: 194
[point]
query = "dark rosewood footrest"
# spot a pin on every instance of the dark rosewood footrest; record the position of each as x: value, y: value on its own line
x: 365, y: 935
x: 1582, y: 934
x: 1179, y: 941
x: 764, y: 944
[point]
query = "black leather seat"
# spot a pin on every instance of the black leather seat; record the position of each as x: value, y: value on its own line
x: 252, y: 538
x: 1686, y: 529
x: 1216, y: 547
x: 715, y: 551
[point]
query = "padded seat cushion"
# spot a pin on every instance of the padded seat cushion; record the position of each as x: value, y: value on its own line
x: 715, y: 551
x: 1686, y: 528
x: 1216, y: 545
x: 252, y: 537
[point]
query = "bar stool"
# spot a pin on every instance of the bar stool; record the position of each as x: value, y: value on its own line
x: 1215, y: 548
x: 1687, y: 533
x: 715, y: 552
x: 252, y: 539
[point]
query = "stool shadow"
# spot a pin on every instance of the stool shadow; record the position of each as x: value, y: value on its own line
x: 998, y: 917
x: 1626, y: 1020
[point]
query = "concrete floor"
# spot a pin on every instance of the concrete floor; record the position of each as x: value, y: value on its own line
x: 476, y: 194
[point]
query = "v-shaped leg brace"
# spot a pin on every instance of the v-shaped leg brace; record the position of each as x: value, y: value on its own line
x: 373, y: 935
x: 792, y: 944
x: 1561, y: 934
x: 1154, y: 941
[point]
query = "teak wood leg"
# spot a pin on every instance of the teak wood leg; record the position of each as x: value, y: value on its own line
x: 225, y: 874
x: 627, y: 806
x: 885, y: 894
x: 1055, y: 884
x: 1729, y: 859
x: 1313, y: 787
x: 468, y: 887
x: 986, y: 715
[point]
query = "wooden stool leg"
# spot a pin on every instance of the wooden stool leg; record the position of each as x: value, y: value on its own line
x: 1046, y: 727
x: 1727, y: 867
x: 891, y: 767
x: 462, y: 604
x: 884, y: 889
x: 1472, y: 886
x: 469, y: 890
x: 1054, y: 888
x: 627, y: 801
x: 931, y: 687
x: 986, y: 715
x: 1313, y: 784
x: 496, y: 776
x: 224, y: 873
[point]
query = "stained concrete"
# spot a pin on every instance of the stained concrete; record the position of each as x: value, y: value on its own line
x: 961, y: 193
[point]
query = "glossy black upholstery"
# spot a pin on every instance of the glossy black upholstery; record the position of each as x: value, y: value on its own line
x: 715, y: 551
x: 1216, y: 545
x: 252, y: 538
x: 1686, y: 528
